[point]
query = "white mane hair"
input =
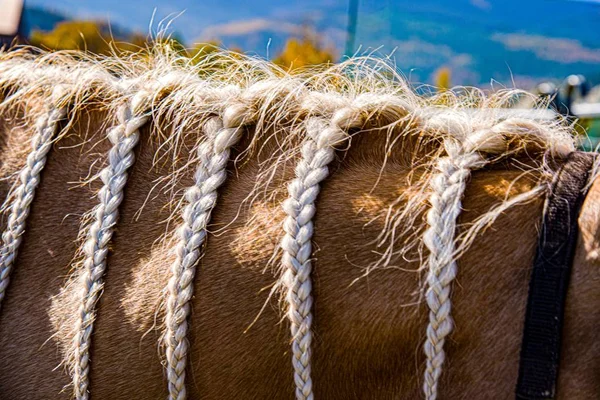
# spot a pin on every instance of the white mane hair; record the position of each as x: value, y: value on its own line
x: 310, y: 115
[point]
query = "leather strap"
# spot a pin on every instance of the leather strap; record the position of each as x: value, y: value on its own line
x: 540, y: 349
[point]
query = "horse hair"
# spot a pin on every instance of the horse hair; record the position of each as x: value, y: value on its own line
x: 314, y: 115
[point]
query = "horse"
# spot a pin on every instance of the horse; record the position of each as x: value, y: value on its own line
x: 183, y: 229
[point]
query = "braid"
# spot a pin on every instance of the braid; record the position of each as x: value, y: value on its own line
x: 200, y: 199
x: 124, y: 138
x: 448, y: 186
x: 29, y: 176
x: 317, y: 152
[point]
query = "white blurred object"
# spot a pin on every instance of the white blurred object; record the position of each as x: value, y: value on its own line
x: 586, y: 110
x: 10, y: 17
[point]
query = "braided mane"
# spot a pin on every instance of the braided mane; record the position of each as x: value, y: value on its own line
x: 311, y: 118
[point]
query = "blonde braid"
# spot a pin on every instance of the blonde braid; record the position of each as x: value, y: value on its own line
x: 318, y: 152
x: 124, y: 138
x: 30, y: 176
x: 448, y: 186
x: 201, y: 198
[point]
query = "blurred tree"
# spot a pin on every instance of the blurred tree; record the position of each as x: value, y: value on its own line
x: 304, y: 51
x: 174, y: 42
x: 73, y: 35
x: 96, y: 37
x: 442, y: 78
x: 201, y: 51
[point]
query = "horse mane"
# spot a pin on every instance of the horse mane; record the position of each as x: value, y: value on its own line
x: 183, y: 92
x: 293, y: 118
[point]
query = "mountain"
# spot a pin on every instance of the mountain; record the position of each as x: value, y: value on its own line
x: 36, y: 18
x: 483, y: 42
x: 43, y: 19
x: 508, y: 42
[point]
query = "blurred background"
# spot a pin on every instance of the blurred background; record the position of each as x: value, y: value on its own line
x: 549, y: 47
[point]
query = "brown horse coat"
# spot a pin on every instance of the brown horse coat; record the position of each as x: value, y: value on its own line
x: 369, y: 329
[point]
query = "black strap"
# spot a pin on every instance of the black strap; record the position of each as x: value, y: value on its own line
x: 540, y: 350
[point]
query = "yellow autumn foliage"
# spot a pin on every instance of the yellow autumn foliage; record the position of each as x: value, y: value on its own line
x: 73, y: 35
x: 442, y: 78
x: 93, y: 37
x: 302, y: 52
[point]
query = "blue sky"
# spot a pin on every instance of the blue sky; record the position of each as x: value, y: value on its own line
x: 192, y: 16
x: 509, y: 41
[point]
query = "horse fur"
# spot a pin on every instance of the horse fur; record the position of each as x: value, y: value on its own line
x: 370, y: 315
